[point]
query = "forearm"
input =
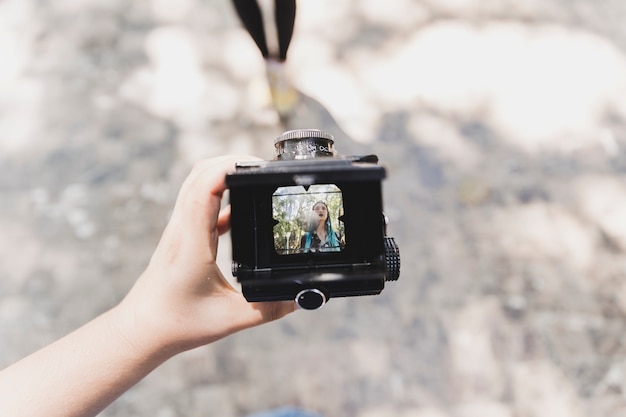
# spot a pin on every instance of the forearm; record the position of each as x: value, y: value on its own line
x: 182, y: 301
x: 80, y: 374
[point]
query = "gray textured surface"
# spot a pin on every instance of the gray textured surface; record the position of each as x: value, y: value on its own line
x: 503, y: 129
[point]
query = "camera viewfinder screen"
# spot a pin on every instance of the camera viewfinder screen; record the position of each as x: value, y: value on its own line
x: 308, y: 220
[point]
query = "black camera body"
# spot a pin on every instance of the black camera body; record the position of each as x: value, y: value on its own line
x: 309, y: 225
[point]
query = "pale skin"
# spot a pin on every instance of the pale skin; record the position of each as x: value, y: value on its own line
x: 180, y: 302
x: 321, y: 211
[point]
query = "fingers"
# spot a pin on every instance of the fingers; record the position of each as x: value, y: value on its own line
x: 192, y: 233
x: 264, y: 312
x: 223, y: 220
x: 198, y: 203
x: 277, y: 309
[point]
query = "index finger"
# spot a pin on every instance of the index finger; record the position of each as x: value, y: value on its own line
x: 200, y: 196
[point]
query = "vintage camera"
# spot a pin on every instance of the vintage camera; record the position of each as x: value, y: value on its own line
x: 309, y: 225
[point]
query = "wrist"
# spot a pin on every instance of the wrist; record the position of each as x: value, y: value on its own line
x: 140, y: 332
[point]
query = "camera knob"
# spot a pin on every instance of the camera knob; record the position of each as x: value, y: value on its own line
x: 304, y: 144
x: 392, y: 259
x: 310, y: 299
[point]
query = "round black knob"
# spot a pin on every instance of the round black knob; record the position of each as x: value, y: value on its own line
x: 310, y: 299
x: 392, y: 259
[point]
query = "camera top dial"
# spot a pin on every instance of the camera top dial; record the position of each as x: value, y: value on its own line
x: 304, y: 144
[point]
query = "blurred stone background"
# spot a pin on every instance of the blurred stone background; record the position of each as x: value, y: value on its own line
x: 503, y: 128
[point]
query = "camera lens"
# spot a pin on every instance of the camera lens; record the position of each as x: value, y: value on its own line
x: 304, y: 144
x: 311, y: 299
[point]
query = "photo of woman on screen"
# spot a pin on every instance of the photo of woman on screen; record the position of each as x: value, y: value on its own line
x: 320, y: 236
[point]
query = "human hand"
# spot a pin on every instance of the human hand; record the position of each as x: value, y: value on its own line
x: 182, y: 300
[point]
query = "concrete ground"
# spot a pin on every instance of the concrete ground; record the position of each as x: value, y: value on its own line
x: 503, y: 128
